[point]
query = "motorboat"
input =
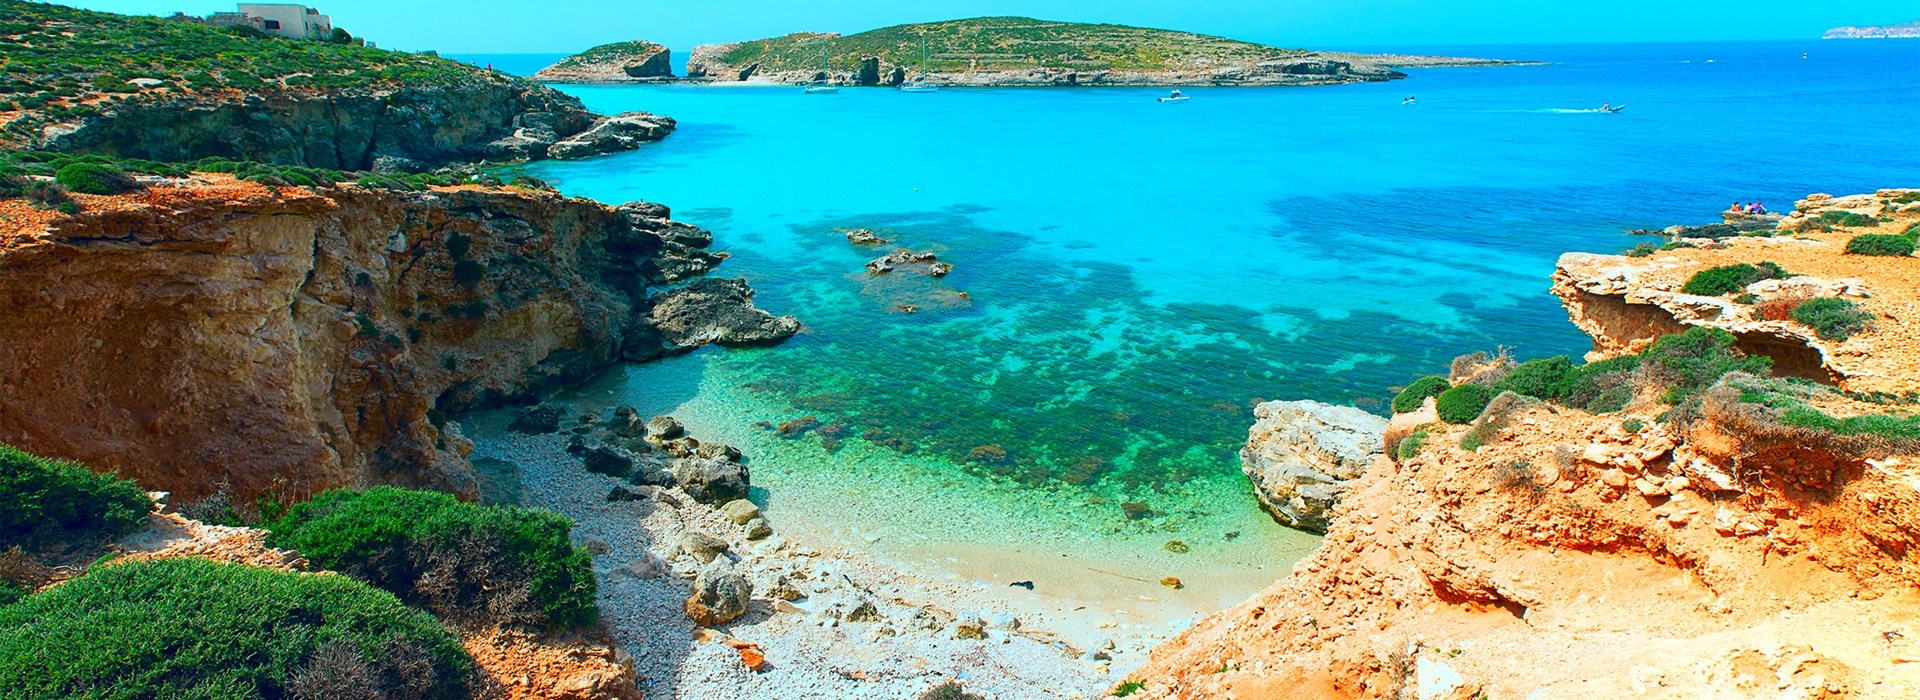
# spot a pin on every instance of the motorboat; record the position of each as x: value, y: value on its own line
x: 1174, y: 96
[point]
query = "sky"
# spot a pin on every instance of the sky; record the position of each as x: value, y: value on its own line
x: 568, y: 26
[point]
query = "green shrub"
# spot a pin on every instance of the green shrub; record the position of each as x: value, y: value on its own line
x: 1848, y: 219
x: 1832, y: 318
x: 10, y: 592
x: 1880, y: 244
x: 500, y: 564
x: 1642, y: 250
x: 95, y: 178
x: 1410, y: 398
x: 1632, y: 425
x: 194, y: 628
x: 1544, y: 378
x: 1719, y: 281
x: 45, y: 500
x: 1692, y: 361
x: 1410, y: 445
x: 1461, y: 404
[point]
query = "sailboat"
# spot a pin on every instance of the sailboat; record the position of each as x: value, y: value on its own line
x: 821, y: 86
x: 919, y: 82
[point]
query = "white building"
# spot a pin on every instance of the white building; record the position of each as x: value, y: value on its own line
x: 290, y: 21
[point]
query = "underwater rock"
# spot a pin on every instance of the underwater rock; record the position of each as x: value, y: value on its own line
x: 1136, y: 511
x: 1177, y: 547
x: 797, y: 427
x: 988, y: 454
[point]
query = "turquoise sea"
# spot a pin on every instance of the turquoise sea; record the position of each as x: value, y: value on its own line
x: 1131, y: 277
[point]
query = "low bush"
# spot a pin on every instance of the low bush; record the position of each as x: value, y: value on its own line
x: 1410, y: 398
x: 194, y: 628
x: 1544, y: 378
x: 1778, y: 309
x: 1410, y: 446
x: 498, y: 564
x: 1690, y: 362
x: 95, y: 178
x: 10, y: 592
x: 1832, y: 318
x: 1848, y: 219
x: 1461, y: 404
x: 1492, y: 421
x: 1880, y: 244
x: 45, y: 500
x: 1727, y: 279
x: 1642, y: 250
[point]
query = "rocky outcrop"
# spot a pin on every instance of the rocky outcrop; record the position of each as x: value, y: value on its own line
x: 629, y: 62
x: 1303, y: 457
x: 286, y: 341
x: 356, y: 129
x: 709, y: 61
x: 1626, y: 303
x: 913, y: 262
x: 715, y: 311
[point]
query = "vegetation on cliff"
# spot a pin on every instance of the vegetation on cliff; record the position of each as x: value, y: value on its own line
x: 1006, y: 43
x: 62, y: 54
x: 52, y: 500
x: 194, y: 628
x: 465, y: 562
x: 609, y: 52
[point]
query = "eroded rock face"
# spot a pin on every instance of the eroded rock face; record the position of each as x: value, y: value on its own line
x: 636, y: 62
x: 1302, y: 457
x: 352, y: 129
x: 292, y: 341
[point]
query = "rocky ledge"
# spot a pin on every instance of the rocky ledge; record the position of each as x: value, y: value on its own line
x: 404, y: 128
x: 1625, y: 303
x: 1303, y: 457
x: 292, y: 339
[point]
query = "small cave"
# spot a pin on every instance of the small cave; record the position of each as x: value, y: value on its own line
x: 1619, y: 326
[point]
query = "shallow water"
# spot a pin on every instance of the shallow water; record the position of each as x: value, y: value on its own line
x: 1136, y: 275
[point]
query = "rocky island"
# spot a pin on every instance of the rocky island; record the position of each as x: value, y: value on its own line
x: 624, y: 62
x: 1012, y: 52
x: 1904, y: 30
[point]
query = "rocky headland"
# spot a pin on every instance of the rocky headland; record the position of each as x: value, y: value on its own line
x: 1904, y: 30
x: 1011, y: 52
x: 1748, y: 538
x: 624, y: 62
x: 206, y: 333
x: 197, y: 92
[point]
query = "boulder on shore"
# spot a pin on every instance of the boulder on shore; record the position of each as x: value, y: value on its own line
x: 718, y: 311
x: 1303, y: 455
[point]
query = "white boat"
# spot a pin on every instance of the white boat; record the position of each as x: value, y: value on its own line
x: 1175, y: 96
x: 821, y: 86
x: 919, y: 82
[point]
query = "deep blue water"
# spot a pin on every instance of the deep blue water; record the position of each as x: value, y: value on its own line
x: 1136, y: 274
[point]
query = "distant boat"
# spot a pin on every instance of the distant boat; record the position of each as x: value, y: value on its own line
x: 1175, y: 96
x: 821, y: 86
x: 1409, y: 100
x: 1610, y: 109
x: 919, y: 82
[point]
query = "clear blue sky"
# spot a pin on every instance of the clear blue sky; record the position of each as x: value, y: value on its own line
x: 565, y: 26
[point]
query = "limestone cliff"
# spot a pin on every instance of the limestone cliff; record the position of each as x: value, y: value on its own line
x: 1755, y: 543
x: 287, y: 340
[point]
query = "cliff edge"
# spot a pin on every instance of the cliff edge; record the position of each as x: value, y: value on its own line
x: 290, y: 339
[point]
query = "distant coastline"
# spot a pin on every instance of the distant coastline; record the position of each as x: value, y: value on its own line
x: 995, y: 52
x: 1905, y: 30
